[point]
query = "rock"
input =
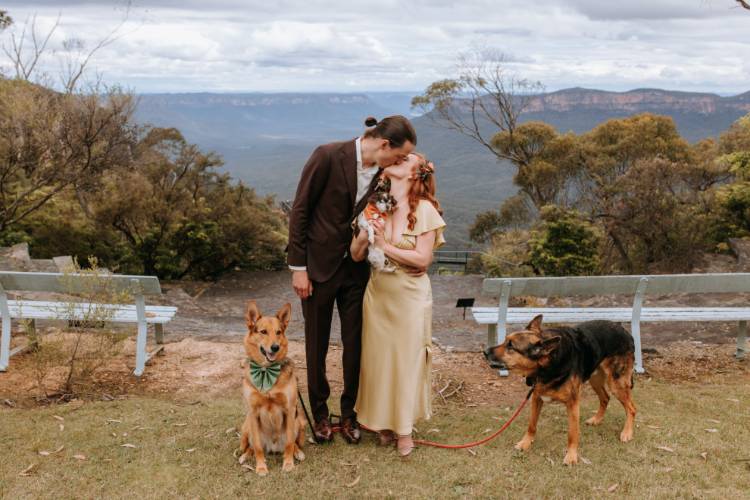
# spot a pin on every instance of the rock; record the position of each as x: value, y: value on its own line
x: 741, y: 248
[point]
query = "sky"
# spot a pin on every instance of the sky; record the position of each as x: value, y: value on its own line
x: 388, y: 45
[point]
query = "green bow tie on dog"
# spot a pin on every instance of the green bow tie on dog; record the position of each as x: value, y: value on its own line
x: 264, y: 377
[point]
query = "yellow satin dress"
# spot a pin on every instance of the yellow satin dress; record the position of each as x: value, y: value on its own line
x: 394, y: 379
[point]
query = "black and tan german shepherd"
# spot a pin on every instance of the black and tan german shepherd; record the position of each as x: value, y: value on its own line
x: 558, y: 361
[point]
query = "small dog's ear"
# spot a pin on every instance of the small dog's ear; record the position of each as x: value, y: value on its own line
x: 284, y: 315
x: 252, y: 314
x: 535, y: 325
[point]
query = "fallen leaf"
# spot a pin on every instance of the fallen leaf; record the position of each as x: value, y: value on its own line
x: 113, y: 421
x: 668, y: 469
x: 711, y: 430
x: 586, y: 460
x: 229, y: 431
x: 8, y: 402
x: 61, y: 448
x: 58, y: 417
x: 431, y: 431
x: 248, y: 467
x: 190, y: 450
x: 180, y: 425
x: 486, y: 430
x: 79, y: 457
x: 733, y: 400
x: 472, y: 405
x: 128, y: 445
x: 45, y: 453
x: 471, y: 451
x: 28, y: 470
x: 665, y: 448
x: 61, y: 427
x: 653, y: 427
x: 354, y: 482
x: 714, y: 421
x: 704, y: 455
x: 613, y: 487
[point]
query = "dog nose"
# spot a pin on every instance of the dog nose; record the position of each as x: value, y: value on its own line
x: 275, y: 348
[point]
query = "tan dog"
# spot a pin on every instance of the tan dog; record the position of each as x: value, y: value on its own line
x: 274, y: 421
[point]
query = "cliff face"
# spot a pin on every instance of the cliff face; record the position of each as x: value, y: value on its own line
x: 637, y: 101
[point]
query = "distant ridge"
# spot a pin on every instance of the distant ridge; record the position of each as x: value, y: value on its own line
x: 266, y: 138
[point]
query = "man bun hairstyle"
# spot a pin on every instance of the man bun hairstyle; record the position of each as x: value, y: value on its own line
x: 396, y: 129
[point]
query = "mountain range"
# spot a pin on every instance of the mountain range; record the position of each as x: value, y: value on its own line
x: 266, y: 138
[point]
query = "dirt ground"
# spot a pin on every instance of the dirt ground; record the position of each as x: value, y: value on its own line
x: 191, y: 368
x: 203, y: 349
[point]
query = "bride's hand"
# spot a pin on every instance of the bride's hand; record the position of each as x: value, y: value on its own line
x: 379, y: 229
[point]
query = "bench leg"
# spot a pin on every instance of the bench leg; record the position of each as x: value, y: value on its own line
x: 140, y: 349
x: 5, y: 344
x: 492, y: 340
x: 159, y: 333
x: 635, y: 328
x: 741, y: 340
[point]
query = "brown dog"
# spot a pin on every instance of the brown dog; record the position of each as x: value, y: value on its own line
x: 558, y: 361
x: 274, y: 421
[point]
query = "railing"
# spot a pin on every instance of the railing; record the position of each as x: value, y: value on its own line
x: 453, y: 258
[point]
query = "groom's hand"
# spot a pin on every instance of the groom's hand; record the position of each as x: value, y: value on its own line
x: 302, y: 285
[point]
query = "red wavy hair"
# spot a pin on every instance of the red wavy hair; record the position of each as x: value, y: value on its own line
x: 423, y: 188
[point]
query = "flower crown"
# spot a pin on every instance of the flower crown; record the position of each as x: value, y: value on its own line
x: 425, y: 170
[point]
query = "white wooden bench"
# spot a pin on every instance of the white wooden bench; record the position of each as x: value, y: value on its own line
x: 33, y: 310
x: 496, y: 318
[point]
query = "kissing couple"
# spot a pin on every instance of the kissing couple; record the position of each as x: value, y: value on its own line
x: 385, y: 312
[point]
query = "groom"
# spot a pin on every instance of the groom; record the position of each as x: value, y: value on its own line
x: 333, y: 188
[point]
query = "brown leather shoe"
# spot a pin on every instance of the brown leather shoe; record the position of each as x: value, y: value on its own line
x: 350, y: 430
x: 322, y: 431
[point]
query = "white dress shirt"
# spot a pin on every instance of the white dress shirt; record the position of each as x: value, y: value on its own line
x: 364, y: 178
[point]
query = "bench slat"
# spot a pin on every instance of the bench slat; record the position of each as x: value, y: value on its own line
x: 595, y: 285
x: 74, y: 283
x: 551, y: 315
x: 119, y: 312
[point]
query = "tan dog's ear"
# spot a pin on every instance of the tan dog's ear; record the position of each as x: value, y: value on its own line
x: 252, y: 314
x: 535, y: 325
x: 284, y: 315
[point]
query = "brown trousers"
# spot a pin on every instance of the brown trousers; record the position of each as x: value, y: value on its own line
x: 346, y: 289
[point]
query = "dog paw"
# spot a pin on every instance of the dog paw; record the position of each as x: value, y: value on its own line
x: 288, y: 465
x: 299, y: 455
x: 524, y: 444
x: 261, y: 469
x: 626, y: 436
x: 571, y: 458
x: 594, y: 421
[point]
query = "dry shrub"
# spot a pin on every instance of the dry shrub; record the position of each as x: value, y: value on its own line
x: 65, y: 363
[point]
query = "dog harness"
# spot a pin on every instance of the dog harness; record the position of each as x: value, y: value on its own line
x: 264, y: 377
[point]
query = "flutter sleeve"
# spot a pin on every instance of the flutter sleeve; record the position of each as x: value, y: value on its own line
x: 428, y: 219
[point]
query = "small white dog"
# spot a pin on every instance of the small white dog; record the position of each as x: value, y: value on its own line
x: 379, y: 206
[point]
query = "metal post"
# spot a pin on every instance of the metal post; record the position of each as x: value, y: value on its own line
x: 502, y: 317
x: 741, y: 339
x: 140, y: 342
x: 635, y: 322
x: 5, y: 338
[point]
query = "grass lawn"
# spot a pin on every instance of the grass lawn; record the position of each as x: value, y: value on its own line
x: 690, y: 441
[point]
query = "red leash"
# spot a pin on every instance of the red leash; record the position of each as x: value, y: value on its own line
x: 337, y: 428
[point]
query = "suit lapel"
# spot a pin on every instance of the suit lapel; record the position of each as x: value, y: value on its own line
x: 349, y: 165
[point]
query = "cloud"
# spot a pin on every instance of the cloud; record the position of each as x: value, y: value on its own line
x: 317, y: 45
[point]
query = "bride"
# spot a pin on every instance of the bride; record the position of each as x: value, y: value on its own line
x: 394, y: 382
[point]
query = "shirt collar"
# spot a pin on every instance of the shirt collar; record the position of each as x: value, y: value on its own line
x: 358, y: 148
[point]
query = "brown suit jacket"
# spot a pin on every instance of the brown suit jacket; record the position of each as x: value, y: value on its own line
x: 324, y: 207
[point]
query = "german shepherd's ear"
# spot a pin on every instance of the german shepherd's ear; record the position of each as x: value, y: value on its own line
x: 546, y: 347
x: 252, y: 314
x: 284, y: 314
x: 535, y: 325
